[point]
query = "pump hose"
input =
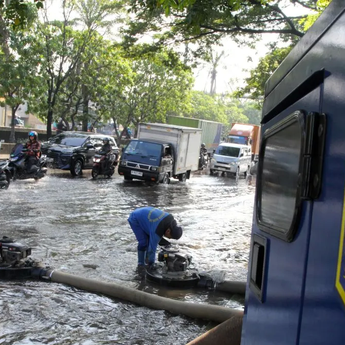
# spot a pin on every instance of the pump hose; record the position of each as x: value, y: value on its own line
x: 234, y: 287
x: 197, y: 311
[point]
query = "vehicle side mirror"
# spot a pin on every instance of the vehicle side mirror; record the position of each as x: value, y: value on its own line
x: 241, y: 155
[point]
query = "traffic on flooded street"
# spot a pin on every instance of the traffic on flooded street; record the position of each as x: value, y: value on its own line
x: 78, y: 225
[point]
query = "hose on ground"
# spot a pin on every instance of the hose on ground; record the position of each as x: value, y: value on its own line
x: 197, y: 311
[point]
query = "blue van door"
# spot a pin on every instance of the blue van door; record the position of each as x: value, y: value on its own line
x: 296, y: 280
x: 281, y: 228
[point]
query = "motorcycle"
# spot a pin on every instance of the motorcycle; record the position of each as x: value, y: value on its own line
x: 102, y: 166
x: 203, y: 159
x: 5, y: 175
x: 18, y: 167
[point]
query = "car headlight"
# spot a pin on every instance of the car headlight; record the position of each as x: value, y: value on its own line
x: 213, y: 161
x: 123, y: 163
x: 154, y: 168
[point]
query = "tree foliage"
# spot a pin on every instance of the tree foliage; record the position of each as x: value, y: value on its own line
x: 210, y: 21
x: 255, y: 83
x: 18, y: 13
x: 18, y: 72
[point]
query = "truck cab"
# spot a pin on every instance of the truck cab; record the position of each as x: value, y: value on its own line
x: 231, y: 158
x: 146, y: 160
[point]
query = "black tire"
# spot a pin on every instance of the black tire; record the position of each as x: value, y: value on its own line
x: 5, y: 185
x: 165, y: 179
x: 77, y: 167
x: 94, y: 173
x: 182, y: 177
x: 211, y: 172
x: 111, y: 173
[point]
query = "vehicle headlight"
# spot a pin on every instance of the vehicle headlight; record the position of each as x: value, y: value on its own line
x: 213, y: 161
x: 13, y: 159
x: 233, y: 163
x: 154, y: 168
x: 96, y: 160
x: 123, y: 163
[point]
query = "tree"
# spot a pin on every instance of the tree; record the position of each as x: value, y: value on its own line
x: 61, y: 49
x: 310, y: 19
x: 159, y: 84
x: 226, y: 110
x: 18, y: 70
x: 210, y: 21
x: 207, y: 107
x: 255, y: 84
x: 94, y: 15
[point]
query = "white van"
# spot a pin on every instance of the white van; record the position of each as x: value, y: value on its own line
x: 231, y: 158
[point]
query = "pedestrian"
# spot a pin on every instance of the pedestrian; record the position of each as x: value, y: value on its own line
x: 60, y: 127
x: 149, y: 225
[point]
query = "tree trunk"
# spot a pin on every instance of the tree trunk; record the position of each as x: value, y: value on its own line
x: 49, y: 123
x: 85, y: 108
x: 12, y: 138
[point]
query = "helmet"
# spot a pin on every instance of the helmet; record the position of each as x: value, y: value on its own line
x: 33, y: 134
x: 203, y: 145
x: 106, y: 140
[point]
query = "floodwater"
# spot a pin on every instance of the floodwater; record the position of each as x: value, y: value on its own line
x: 79, y: 226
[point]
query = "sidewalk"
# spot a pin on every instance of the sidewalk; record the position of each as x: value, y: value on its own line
x: 4, y: 156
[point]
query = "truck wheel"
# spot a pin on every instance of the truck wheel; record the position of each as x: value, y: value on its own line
x: 76, y: 168
x: 211, y: 172
x: 182, y: 177
x: 166, y: 179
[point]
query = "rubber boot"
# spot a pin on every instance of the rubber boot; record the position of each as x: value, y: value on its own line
x: 141, y: 257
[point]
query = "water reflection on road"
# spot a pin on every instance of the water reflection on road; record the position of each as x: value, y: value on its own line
x: 80, y: 226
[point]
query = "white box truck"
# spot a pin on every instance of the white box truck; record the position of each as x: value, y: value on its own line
x: 161, y: 152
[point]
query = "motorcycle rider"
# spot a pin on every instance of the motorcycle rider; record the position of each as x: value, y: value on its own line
x: 203, y: 153
x: 106, y: 149
x: 33, y: 153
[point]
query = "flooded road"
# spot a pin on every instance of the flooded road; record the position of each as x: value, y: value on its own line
x: 80, y: 226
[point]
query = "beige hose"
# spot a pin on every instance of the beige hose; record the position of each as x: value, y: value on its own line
x: 193, y: 310
x: 229, y: 332
x: 234, y: 287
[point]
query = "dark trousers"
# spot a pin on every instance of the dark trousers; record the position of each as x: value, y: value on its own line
x: 30, y: 161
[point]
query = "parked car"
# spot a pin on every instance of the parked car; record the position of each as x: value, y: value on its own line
x: 74, y: 151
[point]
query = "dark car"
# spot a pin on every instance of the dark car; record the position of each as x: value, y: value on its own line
x: 74, y: 151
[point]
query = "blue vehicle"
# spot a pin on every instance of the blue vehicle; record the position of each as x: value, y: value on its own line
x: 296, y: 280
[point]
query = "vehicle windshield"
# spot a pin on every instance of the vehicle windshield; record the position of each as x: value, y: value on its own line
x: 238, y: 140
x: 17, y: 149
x: 228, y: 151
x: 143, y: 149
x: 62, y: 139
